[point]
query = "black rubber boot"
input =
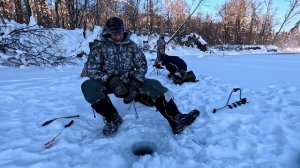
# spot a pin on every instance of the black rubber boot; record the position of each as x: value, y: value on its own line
x: 110, y: 115
x: 177, y: 120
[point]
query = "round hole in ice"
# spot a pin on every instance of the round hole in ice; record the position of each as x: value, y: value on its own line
x: 143, y: 148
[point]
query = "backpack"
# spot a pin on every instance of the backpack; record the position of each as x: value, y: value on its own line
x: 183, y: 76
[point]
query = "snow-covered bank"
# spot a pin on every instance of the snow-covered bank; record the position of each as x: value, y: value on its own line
x: 263, y: 133
x: 61, y: 46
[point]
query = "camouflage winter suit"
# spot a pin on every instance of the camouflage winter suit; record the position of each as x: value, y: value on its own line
x: 123, y: 59
x: 161, y: 47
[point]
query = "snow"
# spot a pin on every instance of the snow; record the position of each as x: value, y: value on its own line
x: 292, y: 49
x: 262, y: 133
x: 196, y: 36
x: 32, y: 21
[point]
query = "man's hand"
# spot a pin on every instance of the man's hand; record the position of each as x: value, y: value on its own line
x: 117, y: 86
x: 133, y: 85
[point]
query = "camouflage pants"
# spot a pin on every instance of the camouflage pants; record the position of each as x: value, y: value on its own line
x: 94, y: 90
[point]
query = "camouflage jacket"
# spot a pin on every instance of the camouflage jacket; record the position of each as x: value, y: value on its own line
x: 123, y: 59
x: 161, y: 46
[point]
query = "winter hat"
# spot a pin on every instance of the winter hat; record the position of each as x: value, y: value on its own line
x: 114, y: 25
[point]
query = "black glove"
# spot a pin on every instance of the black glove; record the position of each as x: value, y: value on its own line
x: 133, y: 85
x: 117, y: 86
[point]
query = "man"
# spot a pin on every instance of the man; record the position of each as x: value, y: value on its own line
x: 173, y: 63
x: 116, y: 65
x: 161, y: 49
x: 177, y: 68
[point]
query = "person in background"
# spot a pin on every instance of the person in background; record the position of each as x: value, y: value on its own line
x: 161, y: 49
x: 178, y: 69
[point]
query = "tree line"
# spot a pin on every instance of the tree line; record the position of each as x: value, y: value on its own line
x: 241, y: 22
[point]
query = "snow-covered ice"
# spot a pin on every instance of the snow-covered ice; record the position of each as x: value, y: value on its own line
x: 262, y: 134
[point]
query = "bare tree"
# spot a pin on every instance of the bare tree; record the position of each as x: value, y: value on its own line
x: 253, y: 23
x: 223, y: 13
x: 294, y: 10
x: 97, y: 12
x: 72, y: 13
x: 151, y: 9
x: 185, y: 21
x: 38, y: 48
x: 18, y: 11
x: 42, y: 13
x: 28, y: 10
x: 235, y: 21
x: 84, y: 11
x: 241, y: 21
x: 132, y: 13
x: 208, y: 30
x: 2, y: 11
x: 266, y: 20
x: 36, y: 10
x: 57, y: 15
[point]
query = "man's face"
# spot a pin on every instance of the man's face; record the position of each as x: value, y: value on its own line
x: 117, y: 37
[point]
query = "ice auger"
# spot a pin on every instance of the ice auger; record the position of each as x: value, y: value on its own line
x: 235, y: 104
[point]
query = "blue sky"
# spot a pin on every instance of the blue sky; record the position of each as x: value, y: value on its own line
x: 209, y: 6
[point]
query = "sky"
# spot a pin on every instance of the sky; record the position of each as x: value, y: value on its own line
x: 209, y: 6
